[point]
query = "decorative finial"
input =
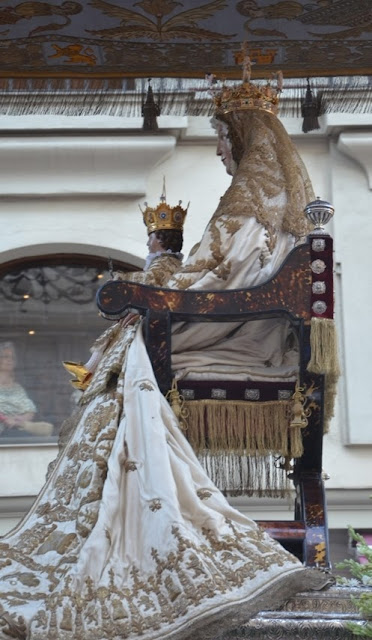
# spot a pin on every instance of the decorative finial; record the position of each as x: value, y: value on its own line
x: 319, y: 212
x: 310, y: 110
x: 163, y: 197
x: 242, y: 57
x: 150, y: 111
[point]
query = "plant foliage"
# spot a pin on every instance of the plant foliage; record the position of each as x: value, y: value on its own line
x: 361, y: 576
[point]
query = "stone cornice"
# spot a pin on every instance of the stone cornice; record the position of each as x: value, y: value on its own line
x: 79, y: 164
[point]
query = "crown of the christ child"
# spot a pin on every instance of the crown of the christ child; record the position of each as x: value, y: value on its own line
x: 164, y: 216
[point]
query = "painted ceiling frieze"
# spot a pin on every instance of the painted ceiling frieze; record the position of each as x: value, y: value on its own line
x: 184, y: 39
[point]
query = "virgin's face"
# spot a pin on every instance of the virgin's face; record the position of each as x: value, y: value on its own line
x: 153, y: 243
x: 224, y: 149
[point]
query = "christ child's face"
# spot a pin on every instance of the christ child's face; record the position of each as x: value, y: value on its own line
x: 154, y: 244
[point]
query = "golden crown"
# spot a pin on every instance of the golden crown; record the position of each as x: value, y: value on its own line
x: 248, y: 95
x: 164, y: 216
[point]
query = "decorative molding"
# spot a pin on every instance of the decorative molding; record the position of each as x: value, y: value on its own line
x: 358, y: 146
x: 80, y: 165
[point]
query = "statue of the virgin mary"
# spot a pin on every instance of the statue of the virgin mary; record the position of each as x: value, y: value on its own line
x: 129, y: 538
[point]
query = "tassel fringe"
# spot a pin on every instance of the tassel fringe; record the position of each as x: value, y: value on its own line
x: 324, y: 360
x: 243, y: 428
x: 239, y: 443
x: 238, y: 475
x: 175, y: 96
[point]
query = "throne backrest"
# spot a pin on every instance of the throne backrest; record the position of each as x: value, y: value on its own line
x: 301, y: 289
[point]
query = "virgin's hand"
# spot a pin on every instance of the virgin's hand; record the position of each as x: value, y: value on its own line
x: 130, y: 318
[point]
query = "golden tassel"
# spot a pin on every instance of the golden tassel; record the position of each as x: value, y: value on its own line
x: 299, y: 421
x: 177, y: 404
x: 324, y: 351
x: 324, y: 360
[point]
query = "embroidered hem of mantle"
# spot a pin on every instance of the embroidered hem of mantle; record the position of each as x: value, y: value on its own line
x: 109, y: 622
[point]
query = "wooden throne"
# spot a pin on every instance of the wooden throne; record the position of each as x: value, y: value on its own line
x: 301, y: 290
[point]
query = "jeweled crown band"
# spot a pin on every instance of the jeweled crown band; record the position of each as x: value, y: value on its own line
x: 247, y: 96
x: 164, y: 217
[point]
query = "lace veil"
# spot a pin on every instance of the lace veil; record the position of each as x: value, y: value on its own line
x: 270, y: 184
